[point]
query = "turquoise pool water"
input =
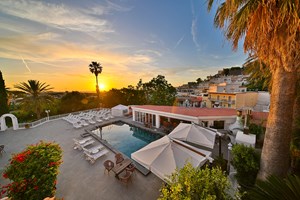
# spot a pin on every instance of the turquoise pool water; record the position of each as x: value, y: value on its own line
x: 127, y: 139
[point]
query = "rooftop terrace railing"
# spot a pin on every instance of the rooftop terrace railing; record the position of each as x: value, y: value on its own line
x: 51, y: 118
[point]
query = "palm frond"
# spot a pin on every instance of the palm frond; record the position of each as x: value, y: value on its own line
x: 277, y: 188
x: 36, y: 94
x: 95, y: 68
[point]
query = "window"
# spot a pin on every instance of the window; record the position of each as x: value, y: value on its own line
x: 205, y: 123
x: 219, y: 124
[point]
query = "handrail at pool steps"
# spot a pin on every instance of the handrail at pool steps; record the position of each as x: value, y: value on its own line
x: 51, y: 118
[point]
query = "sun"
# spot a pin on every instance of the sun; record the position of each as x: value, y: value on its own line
x: 101, y: 86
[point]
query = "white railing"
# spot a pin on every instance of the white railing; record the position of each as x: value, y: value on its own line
x: 51, y: 118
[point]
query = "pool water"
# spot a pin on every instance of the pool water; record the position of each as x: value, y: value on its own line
x: 127, y: 139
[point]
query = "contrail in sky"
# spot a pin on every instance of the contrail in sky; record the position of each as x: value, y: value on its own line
x: 179, y: 41
x: 26, y: 64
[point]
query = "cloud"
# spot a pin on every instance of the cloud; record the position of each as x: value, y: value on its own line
x: 59, y: 16
x: 194, y: 28
x: 150, y: 52
x: 117, y: 7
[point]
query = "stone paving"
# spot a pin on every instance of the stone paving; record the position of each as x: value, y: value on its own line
x: 78, y: 179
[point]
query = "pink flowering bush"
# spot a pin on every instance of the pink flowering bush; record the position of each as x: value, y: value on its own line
x: 33, y: 172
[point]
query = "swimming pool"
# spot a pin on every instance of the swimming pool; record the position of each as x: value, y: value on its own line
x: 127, y: 139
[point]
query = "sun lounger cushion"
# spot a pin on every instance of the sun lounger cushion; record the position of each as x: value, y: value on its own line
x: 93, y: 157
x: 94, y: 149
x: 79, y: 144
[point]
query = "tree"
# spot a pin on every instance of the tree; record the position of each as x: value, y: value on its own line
x: 113, y: 97
x: 159, y: 92
x: 195, y: 183
x: 3, y: 97
x: 72, y: 102
x: 96, y: 69
x: 271, y: 33
x: 36, y: 95
x: 199, y: 80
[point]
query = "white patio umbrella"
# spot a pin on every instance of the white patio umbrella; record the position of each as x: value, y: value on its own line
x: 163, y: 156
x: 195, y: 134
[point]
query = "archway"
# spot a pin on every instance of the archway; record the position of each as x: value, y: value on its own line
x: 13, y: 119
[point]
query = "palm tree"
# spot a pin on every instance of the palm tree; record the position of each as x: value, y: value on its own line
x: 260, y: 75
x: 96, y: 69
x: 270, y: 30
x: 36, y: 95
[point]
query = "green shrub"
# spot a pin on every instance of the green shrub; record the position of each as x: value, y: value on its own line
x: 195, y: 183
x: 219, y: 161
x: 246, y: 162
x: 256, y: 129
x: 33, y: 172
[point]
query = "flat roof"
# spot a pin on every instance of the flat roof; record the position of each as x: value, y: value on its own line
x: 190, y: 111
x: 202, y: 112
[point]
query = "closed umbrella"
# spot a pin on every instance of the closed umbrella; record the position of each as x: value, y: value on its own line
x: 195, y: 134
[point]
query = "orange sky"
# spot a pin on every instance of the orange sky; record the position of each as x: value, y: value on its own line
x: 55, y: 41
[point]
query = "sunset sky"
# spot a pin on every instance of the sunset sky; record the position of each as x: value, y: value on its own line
x: 55, y: 41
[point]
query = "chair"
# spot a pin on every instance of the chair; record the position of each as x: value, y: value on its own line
x: 131, y: 168
x: 119, y: 158
x: 108, y: 164
x: 2, y: 149
x: 125, y: 178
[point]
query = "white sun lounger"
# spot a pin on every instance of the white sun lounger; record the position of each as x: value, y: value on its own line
x: 79, y: 144
x: 98, y: 119
x: 83, y: 123
x: 93, y: 157
x: 91, y: 121
x: 76, y: 125
x: 94, y: 149
x: 84, y: 140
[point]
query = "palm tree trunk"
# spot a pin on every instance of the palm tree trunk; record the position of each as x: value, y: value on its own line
x: 96, y: 80
x: 97, y: 90
x: 275, y: 157
x: 38, y: 112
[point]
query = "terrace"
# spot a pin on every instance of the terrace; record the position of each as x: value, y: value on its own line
x: 78, y: 179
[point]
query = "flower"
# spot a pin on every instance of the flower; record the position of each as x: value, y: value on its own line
x: 52, y: 163
x: 26, y: 178
x: 20, y: 157
x: 5, y: 175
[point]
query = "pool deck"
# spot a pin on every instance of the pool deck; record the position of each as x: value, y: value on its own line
x: 78, y: 179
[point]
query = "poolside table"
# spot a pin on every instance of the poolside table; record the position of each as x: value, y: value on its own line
x: 118, y: 168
